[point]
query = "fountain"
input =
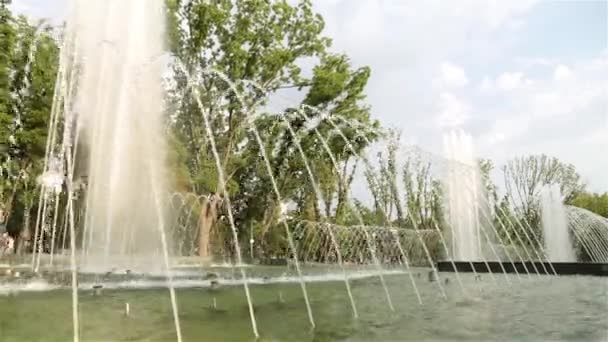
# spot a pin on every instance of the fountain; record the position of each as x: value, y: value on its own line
x: 555, y: 226
x: 118, y: 109
x: 135, y: 238
x: 464, y: 197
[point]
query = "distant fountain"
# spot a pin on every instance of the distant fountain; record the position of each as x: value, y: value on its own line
x: 463, y: 190
x: 555, y: 226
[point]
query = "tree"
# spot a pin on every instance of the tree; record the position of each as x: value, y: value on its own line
x: 229, y: 58
x: 7, y: 46
x: 594, y: 202
x: 28, y: 67
x: 423, y: 195
x: 525, y: 178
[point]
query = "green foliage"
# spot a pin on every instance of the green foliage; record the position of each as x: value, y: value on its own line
x: 597, y: 203
x: 28, y: 67
x: 263, y: 43
x: 7, y: 46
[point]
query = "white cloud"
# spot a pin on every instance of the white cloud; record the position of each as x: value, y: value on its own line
x: 528, y: 62
x: 41, y: 9
x: 510, y: 80
x: 506, y: 81
x: 486, y: 84
x: 561, y: 73
x: 518, y: 111
x: 568, y: 120
x: 452, y: 75
x: 453, y: 112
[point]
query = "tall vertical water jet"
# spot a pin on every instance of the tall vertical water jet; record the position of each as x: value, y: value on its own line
x: 118, y: 105
x: 462, y: 183
x: 558, y: 244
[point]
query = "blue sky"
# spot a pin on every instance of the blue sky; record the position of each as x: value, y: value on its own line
x: 522, y: 76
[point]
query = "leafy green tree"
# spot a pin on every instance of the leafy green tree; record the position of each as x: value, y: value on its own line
x: 263, y: 43
x: 28, y: 67
x: 594, y: 202
x: 7, y: 46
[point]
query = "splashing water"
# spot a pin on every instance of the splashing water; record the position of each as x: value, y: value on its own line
x: 555, y: 226
x: 109, y: 91
x: 119, y: 113
x: 463, y: 196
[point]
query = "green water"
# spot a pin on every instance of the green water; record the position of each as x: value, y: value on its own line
x: 536, y: 309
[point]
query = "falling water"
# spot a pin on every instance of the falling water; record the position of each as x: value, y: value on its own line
x: 555, y: 226
x: 119, y: 108
x: 109, y: 88
x: 463, y: 195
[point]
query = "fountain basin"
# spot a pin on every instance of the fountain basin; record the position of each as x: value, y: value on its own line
x: 501, y: 312
x: 560, y: 268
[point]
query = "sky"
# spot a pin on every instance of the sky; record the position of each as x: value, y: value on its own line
x: 522, y: 77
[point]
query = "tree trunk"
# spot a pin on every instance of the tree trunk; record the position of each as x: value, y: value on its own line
x: 8, y: 207
x: 25, y: 235
x: 207, y: 219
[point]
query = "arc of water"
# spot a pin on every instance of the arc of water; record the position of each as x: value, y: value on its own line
x: 317, y: 192
x: 359, y: 218
x: 337, y: 169
x: 600, y: 222
x: 521, y: 242
x: 530, y: 241
x: 336, y: 246
x: 406, y: 210
x: 222, y: 181
x: 534, y: 239
x: 357, y: 212
x: 196, y: 201
x: 602, y: 235
x: 30, y: 58
x: 33, y: 48
x: 48, y: 150
x: 52, y: 121
x: 60, y: 97
x: 450, y: 258
x: 588, y: 243
x: 40, y: 222
x: 491, y: 245
x: 73, y: 265
x: 589, y: 239
x: 501, y: 242
x: 319, y: 197
x: 353, y: 150
x: 67, y: 113
x: 599, y: 253
x: 60, y: 94
x: 286, y: 226
x: 469, y: 188
x: 277, y: 193
x: 54, y: 227
x: 312, y: 242
x: 176, y: 224
x: 161, y: 229
x: 407, y: 267
x: 64, y: 229
x: 600, y: 240
x: 519, y: 256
